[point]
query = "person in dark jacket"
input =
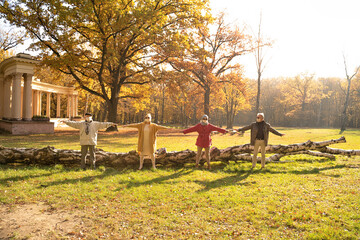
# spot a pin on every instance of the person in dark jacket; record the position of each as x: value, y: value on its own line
x: 259, y: 137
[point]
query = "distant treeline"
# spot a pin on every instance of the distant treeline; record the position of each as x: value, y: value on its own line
x: 301, y: 101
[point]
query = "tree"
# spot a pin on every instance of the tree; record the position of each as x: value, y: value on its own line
x: 111, y: 42
x: 354, y: 108
x: 271, y: 105
x: 344, y: 115
x: 211, y: 52
x: 299, y: 92
x: 9, y: 39
x: 236, y: 97
x: 260, y: 43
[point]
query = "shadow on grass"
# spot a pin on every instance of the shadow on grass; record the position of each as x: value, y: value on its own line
x: 5, y: 181
x: 237, y: 178
x: 102, y: 175
x: 226, y: 181
x: 318, y: 170
x: 111, y: 172
x: 242, y: 174
x: 315, y: 170
x: 320, y: 160
x: 157, y: 180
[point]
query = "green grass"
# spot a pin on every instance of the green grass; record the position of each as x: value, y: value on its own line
x: 305, y: 198
x: 126, y: 140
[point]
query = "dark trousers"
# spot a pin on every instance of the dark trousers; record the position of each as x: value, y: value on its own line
x: 84, y: 151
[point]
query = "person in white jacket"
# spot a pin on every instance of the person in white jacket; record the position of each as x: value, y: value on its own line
x: 88, y: 136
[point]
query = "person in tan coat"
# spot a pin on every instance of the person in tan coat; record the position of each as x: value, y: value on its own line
x: 147, y: 139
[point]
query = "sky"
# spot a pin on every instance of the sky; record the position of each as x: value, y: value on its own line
x: 310, y: 36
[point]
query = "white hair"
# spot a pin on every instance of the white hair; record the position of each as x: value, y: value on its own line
x: 260, y: 114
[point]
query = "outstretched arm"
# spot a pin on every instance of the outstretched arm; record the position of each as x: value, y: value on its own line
x: 101, y: 125
x: 214, y: 128
x: 275, y: 132
x: 158, y: 127
x: 72, y: 124
x: 189, y: 130
x: 135, y: 125
x: 244, y: 128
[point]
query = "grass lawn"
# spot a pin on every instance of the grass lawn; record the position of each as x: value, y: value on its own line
x: 304, y: 198
x: 126, y: 139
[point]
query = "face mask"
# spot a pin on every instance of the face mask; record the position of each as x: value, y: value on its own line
x: 204, y: 122
x: 88, y: 119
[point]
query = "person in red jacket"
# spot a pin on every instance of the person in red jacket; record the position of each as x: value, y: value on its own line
x: 204, y: 128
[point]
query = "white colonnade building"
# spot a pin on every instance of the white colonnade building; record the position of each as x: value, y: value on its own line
x: 21, y: 97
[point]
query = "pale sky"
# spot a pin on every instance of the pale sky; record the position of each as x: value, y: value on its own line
x: 310, y: 35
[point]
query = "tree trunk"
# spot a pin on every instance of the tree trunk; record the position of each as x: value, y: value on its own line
x: 156, y: 117
x: 257, y: 107
x: 227, y: 110
x: 319, y: 115
x: 230, y: 115
x: 207, y: 101
x: 50, y: 155
x: 86, y: 104
x: 194, y: 120
x: 344, y: 116
x: 112, y: 109
x: 162, y: 106
x: 112, y: 113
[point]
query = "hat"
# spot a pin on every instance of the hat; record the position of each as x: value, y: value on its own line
x: 205, y: 116
x: 88, y: 114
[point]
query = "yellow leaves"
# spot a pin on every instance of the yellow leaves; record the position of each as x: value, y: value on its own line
x: 136, y: 97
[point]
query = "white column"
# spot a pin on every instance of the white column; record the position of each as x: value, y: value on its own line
x: 73, y: 104
x: 22, y: 102
x: 34, y: 99
x: 1, y: 96
x: 69, y: 106
x: 27, y: 99
x: 76, y: 105
x: 16, y: 97
x: 39, y: 101
x: 58, y: 103
x: 48, y: 105
x: 7, y: 94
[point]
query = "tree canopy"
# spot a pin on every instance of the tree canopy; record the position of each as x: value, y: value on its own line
x: 108, y: 42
